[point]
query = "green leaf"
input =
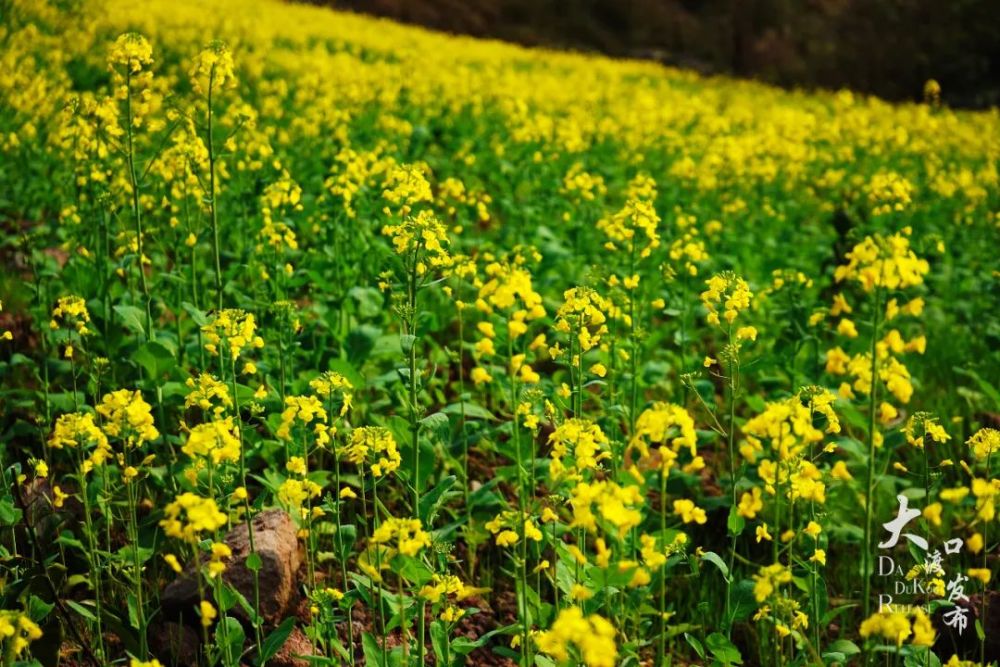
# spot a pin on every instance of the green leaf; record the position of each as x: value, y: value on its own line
x: 274, y: 641
x: 723, y: 649
x: 227, y: 598
x: 411, y: 569
x: 231, y: 597
x: 133, y: 610
x: 715, y: 560
x: 155, y: 359
x: 744, y: 601
x: 437, y: 423
x: 464, y: 645
x: 991, y: 392
x: 38, y: 608
x: 428, y: 457
x: 735, y: 523
x: 373, y: 654
x: 695, y: 644
x: 471, y: 410
x: 431, y: 502
x: 845, y: 646
x: 254, y: 562
x: 680, y: 628
x: 439, y: 639
x: 350, y: 536
x: 830, y: 615
x: 80, y: 609
x: 198, y: 316
x: 346, y: 369
x: 360, y: 342
x: 921, y: 657
x: 229, y: 636
x: 9, y: 514
x: 368, y: 300
x: 133, y: 318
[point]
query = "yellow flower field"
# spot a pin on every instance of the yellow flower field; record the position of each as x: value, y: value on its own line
x: 327, y: 340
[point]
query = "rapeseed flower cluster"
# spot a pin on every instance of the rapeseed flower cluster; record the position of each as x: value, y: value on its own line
x: 17, y: 631
x: 233, y: 329
x: 189, y: 516
x: 590, y: 638
x: 374, y: 447
x: 127, y: 417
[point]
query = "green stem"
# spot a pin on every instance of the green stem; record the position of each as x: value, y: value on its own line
x: 634, y: 344
x: 734, y: 369
x: 870, y: 480
x: 521, y: 501
x: 927, y: 471
x: 223, y: 627
x: 130, y: 487
x: 378, y: 566
x: 414, y: 421
x: 776, y: 539
x: 986, y: 551
x: 447, y: 644
x: 421, y: 648
x: 213, y: 209
x: 247, y: 516
x: 403, y: 626
x: 341, y: 556
x: 815, y: 582
x: 662, y: 649
x: 95, y: 571
x: 206, y: 646
x: 136, y: 208
x: 467, y: 487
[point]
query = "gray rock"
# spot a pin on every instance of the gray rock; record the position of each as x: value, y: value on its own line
x: 277, y: 545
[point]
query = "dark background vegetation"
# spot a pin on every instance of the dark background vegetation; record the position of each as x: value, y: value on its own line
x: 885, y: 47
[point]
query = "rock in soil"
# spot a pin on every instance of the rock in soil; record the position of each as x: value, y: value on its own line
x: 276, y: 543
x: 289, y: 655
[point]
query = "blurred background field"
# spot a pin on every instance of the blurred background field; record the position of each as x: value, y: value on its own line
x: 884, y: 47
